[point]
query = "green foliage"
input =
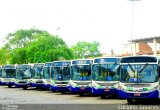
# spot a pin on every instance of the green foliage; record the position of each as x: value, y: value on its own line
x: 48, y: 49
x: 4, y: 56
x: 21, y: 37
x: 85, y: 49
x: 18, y: 56
x: 33, y: 46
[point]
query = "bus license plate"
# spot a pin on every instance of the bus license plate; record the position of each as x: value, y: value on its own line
x: 137, y: 94
x: 106, y: 90
x: 82, y: 88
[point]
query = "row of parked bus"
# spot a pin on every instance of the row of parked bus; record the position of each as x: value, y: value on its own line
x: 132, y: 77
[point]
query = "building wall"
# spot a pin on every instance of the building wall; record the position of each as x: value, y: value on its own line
x: 141, y: 48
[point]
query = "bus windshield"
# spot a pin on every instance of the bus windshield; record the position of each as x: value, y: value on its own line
x: 0, y: 73
x: 105, y: 72
x: 140, y: 73
x: 37, y: 73
x: 46, y: 72
x: 61, y: 73
x: 81, y: 72
x: 23, y: 73
x: 8, y: 73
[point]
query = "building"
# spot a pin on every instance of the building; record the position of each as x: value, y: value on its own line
x: 142, y: 46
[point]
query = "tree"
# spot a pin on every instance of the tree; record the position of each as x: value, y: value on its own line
x: 4, y: 56
x: 21, y: 37
x: 18, y: 56
x: 34, y: 46
x: 85, y: 49
x: 48, y: 49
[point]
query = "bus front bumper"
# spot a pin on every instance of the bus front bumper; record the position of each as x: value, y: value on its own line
x: 126, y: 95
x: 81, y: 89
x: 18, y: 85
x: 4, y: 83
x: 41, y: 85
x: 46, y: 86
x: 11, y: 83
x: 105, y: 91
x: 37, y: 84
x: 58, y: 88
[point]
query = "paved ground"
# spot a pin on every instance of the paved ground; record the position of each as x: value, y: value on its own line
x: 33, y: 96
x: 17, y: 99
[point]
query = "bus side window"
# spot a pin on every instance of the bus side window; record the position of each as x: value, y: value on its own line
x: 159, y: 70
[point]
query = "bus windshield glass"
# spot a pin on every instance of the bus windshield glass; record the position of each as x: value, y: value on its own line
x: 61, y: 73
x: 81, y: 72
x: 0, y: 72
x: 140, y: 73
x: 37, y: 72
x: 105, y: 72
x: 46, y: 72
x: 8, y: 73
x: 24, y: 72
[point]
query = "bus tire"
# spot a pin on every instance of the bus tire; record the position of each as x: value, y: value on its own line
x: 24, y: 88
x: 131, y: 101
x: 9, y: 86
x: 63, y: 92
x: 103, y: 96
x: 81, y: 94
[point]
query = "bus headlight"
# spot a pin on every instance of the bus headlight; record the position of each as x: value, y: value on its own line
x: 77, y: 85
x: 154, y: 88
x: 120, y: 88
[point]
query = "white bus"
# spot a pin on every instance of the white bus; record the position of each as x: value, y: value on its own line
x: 60, y: 76
x: 46, y: 75
x: 37, y: 75
x: 81, y: 76
x: 8, y: 75
x: 139, y: 78
x: 105, y: 76
x: 23, y: 75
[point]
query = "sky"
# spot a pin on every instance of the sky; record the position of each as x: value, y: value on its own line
x: 107, y: 21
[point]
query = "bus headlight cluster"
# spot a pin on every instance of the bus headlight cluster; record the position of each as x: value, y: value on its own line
x: 77, y: 85
x: 121, y: 88
x: 154, y: 88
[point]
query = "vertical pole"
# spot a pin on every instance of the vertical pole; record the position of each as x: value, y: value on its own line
x: 134, y: 48
x: 155, y: 47
x: 132, y: 22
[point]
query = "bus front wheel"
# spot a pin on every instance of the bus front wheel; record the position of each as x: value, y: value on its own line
x: 81, y: 94
x: 63, y: 92
x: 131, y: 101
x: 24, y: 88
x: 103, y: 96
x: 9, y: 86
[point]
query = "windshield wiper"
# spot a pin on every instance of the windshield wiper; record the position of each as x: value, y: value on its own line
x: 131, y: 68
x: 143, y: 68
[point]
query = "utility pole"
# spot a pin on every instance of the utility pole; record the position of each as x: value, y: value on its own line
x: 132, y: 24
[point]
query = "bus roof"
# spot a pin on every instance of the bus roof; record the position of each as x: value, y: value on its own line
x: 23, y: 65
x: 38, y: 65
x: 82, y: 61
x: 107, y: 60
x: 8, y: 66
x: 139, y: 59
x: 48, y: 64
x: 61, y: 63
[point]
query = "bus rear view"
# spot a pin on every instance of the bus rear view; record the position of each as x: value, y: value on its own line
x: 139, y: 78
